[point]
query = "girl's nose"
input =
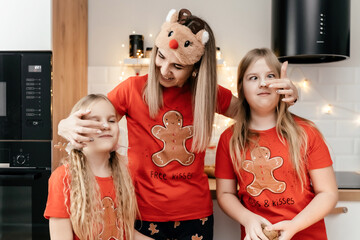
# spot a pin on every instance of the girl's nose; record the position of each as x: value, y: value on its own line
x: 262, y: 82
x: 105, y: 126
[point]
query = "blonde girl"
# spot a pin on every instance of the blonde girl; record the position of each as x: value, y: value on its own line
x: 170, y: 114
x: 280, y: 161
x: 91, y: 195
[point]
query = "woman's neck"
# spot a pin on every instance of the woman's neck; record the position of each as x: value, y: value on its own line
x: 99, y: 164
x: 262, y: 121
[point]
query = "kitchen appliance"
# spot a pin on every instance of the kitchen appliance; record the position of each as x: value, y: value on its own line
x: 136, y: 46
x: 25, y: 143
x: 311, y: 31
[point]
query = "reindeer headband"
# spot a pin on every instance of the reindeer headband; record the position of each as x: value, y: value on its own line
x: 183, y: 34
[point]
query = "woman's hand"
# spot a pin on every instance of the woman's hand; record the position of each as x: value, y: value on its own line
x: 253, y: 227
x: 74, y: 129
x: 284, y: 86
x: 285, y: 228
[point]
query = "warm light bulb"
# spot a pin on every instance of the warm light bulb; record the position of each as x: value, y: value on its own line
x: 133, y: 32
x: 357, y: 121
x: 328, y: 109
x: 305, y: 83
x: 150, y: 35
x: 122, y: 45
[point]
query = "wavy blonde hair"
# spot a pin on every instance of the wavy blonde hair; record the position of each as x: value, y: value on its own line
x: 204, y: 91
x: 85, y: 211
x: 288, y: 130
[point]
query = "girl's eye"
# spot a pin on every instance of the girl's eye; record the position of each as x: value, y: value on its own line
x: 271, y: 76
x: 112, y: 121
x: 170, y: 33
x: 252, y: 78
x: 187, y: 43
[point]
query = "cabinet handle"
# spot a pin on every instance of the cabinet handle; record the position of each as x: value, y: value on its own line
x: 339, y: 210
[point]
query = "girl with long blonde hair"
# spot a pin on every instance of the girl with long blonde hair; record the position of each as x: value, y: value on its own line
x: 170, y: 114
x: 91, y: 196
x: 279, y: 160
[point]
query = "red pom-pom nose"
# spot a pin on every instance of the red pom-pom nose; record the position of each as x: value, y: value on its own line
x: 173, y: 44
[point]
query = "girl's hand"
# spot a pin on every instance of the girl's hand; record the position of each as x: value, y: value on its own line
x: 285, y: 228
x: 253, y: 227
x: 74, y: 129
x: 284, y: 86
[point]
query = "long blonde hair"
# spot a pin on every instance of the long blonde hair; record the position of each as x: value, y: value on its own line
x: 204, y: 91
x: 85, y: 211
x: 287, y: 129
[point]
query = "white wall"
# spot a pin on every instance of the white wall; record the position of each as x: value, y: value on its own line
x: 25, y: 25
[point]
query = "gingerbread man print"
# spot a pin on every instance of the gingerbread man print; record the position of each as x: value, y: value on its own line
x: 262, y: 167
x: 110, y: 230
x: 196, y: 237
x: 152, y: 228
x: 173, y: 135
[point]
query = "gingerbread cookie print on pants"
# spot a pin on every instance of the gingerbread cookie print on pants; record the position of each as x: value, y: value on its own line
x: 152, y: 229
x: 173, y: 135
x: 262, y: 167
x: 196, y: 237
x: 110, y: 228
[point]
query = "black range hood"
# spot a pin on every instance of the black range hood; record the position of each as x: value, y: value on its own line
x: 311, y: 31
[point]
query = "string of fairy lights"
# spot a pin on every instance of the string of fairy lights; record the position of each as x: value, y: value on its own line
x: 227, y: 78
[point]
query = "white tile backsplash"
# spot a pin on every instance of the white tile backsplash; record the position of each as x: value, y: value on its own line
x: 327, y: 127
x: 339, y: 86
x: 336, y: 75
x: 348, y: 93
x: 344, y: 129
x: 357, y: 146
x: 341, y: 145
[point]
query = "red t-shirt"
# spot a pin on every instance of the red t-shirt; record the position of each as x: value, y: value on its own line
x: 169, y: 179
x: 268, y: 186
x: 57, y: 207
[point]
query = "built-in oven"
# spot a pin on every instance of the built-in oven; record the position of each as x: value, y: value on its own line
x: 23, y: 196
x: 25, y: 143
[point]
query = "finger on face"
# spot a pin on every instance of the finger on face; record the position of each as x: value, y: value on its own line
x: 80, y: 113
x: 90, y: 124
x: 280, y: 85
x: 86, y: 130
x: 283, y: 69
x: 82, y: 139
x: 77, y: 145
x: 290, y: 100
x: 284, y: 92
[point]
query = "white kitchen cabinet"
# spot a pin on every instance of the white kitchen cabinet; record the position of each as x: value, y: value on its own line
x: 25, y: 25
x: 344, y: 226
x: 225, y: 228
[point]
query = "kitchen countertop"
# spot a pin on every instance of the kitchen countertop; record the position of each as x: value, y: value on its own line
x: 348, y: 185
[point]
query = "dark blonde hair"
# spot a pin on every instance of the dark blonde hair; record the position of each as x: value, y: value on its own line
x: 204, y: 91
x: 85, y: 200
x: 288, y: 130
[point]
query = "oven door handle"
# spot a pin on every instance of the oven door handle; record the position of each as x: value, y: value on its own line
x: 20, y: 177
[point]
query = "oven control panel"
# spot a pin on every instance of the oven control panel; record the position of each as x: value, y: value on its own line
x: 26, y: 154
